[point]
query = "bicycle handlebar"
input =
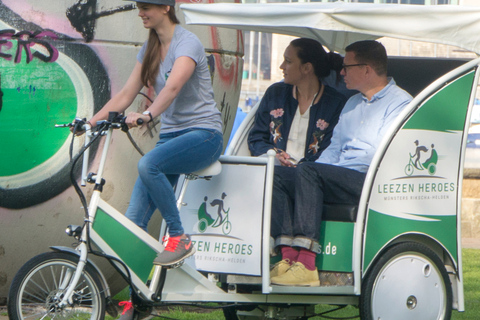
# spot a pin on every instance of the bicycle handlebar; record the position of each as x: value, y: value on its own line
x: 115, y: 120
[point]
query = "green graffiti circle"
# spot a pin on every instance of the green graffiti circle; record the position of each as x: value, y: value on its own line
x: 36, y: 96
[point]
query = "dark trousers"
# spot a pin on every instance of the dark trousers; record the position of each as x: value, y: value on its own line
x: 298, y: 197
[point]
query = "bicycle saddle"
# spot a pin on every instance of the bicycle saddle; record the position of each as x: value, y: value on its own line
x: 212, y: 170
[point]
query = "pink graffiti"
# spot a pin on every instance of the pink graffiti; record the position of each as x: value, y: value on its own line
x: 25, y: 40
x: 227, y: 75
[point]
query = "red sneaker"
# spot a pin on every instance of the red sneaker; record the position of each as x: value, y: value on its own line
x: 127, y: 313
x: 176, y: 250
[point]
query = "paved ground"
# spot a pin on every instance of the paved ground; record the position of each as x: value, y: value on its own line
x: 3, y: 310
x: 471, y: 243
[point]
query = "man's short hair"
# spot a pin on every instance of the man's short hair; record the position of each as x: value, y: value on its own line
x: 370, y: 52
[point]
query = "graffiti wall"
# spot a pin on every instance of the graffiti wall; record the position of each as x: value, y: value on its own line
x: 61, y: 59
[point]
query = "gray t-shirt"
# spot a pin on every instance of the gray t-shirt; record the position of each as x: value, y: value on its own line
x: 194, y: 107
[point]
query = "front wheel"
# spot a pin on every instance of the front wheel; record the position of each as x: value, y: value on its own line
x: 227, y: 227
x: 409, y: 169
x: 40, y: 284
x: 409, y: 281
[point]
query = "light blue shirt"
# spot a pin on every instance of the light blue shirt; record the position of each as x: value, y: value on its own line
x: 361, y: 127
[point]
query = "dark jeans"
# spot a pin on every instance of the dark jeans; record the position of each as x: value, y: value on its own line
x: 298, y: 197
x: 175, y: 153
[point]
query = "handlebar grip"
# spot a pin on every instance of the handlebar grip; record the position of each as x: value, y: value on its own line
x: 139, y: 122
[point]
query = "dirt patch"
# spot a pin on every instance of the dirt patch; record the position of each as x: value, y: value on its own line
x: 471, y: 188
x: 3, y: 313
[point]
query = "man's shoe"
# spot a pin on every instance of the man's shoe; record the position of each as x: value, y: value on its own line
x: 298, y: 275
x: 280, y: 268
x: 176, y: 250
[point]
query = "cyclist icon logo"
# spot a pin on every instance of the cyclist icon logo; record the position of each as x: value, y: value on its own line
x: 416, y: 163
x: 205, y: 220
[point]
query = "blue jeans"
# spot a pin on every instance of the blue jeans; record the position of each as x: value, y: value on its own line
x: 175, y: 153
x: 298, y: 197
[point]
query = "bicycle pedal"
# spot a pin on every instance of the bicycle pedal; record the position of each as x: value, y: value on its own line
x: 175, y: 265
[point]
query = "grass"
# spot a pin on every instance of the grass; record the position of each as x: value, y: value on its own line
x: 471, y: 287
x: 471, y: 273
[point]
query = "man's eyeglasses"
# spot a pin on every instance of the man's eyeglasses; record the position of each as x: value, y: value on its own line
x: 346, y: 66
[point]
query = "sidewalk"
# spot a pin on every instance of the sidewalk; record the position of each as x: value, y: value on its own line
x: 470, y: 243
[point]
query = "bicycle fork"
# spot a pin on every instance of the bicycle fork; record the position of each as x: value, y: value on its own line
x: 70, y: 284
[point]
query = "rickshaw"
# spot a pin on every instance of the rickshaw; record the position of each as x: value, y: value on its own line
x: 395, y: 255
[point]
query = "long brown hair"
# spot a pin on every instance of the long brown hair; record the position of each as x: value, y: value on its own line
x: 151, y: 60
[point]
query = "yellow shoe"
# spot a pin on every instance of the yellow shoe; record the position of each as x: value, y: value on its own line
x: 298, y: 275
x: 280, y: 268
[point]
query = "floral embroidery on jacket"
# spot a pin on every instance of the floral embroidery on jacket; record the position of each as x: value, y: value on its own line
x: 275, y: 124
x: 318, y: 135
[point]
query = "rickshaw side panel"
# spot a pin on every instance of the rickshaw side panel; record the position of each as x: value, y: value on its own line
x: 412, y: 194
x: 336, y: 243
x: 224, y: 217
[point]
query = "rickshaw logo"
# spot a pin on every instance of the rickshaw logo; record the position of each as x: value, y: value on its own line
x: 415, y: 163
x: 205, y: 220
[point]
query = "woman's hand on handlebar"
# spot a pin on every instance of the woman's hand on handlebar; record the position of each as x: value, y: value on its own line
x: 135, y: 119
x: 78, y: 128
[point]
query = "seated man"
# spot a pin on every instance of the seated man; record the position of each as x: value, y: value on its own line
x: 338, y: 174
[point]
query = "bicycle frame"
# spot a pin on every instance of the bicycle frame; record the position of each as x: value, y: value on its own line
x: 130, y: 248
x: 99, y: 208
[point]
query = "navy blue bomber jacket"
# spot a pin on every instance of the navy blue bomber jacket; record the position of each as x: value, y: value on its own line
x: 275, y: 114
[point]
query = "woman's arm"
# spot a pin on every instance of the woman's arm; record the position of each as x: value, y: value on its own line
x: 182, y: 70
x: 124, y: 98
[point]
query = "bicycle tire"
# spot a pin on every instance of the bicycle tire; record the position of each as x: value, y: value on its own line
x: 38, y: 287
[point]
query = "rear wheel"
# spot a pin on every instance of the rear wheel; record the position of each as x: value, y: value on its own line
x: 202, y: 225
x: 432, y: 168
x: 40, y: 284
x: 409, y: 281
x: 230, y: 313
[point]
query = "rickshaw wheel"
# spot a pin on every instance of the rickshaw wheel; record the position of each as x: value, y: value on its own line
x: 432, y: 168
x: 202, y: 225
x: 230, y: 313
x: 409, y: 279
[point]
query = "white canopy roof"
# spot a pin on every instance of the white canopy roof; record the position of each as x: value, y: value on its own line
x: 338, y: 24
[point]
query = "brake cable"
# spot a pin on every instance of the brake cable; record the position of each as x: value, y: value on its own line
x: 135, y: 145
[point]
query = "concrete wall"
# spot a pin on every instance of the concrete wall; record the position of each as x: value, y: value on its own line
x: 65, y: 58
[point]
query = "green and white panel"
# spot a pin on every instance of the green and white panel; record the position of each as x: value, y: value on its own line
x: 416, y: 188
x: 336, y: 244
x: 116, y: 235
x: 224, y: 217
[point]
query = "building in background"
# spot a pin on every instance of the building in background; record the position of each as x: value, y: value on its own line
x: 264, y: 52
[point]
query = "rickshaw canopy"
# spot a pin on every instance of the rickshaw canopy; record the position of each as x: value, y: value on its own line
x: 338, y: 24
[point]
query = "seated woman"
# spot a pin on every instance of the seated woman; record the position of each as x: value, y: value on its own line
x: 296, y: 117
